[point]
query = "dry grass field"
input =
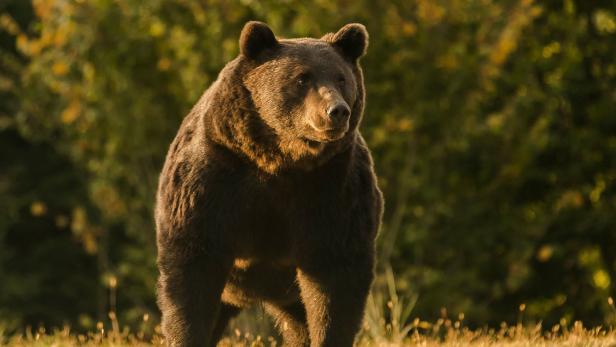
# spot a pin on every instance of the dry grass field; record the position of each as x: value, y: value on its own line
x: 388, y: 323
x: 437, y: 335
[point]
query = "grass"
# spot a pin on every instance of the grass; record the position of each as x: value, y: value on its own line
x: 387, y: 323
x: 442, y: 333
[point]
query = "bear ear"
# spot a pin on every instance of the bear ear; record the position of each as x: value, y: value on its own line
x: 255, y: 38
x: 351, y: 39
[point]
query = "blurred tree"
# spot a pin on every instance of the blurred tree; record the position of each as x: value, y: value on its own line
x: 46, y: 276
x: 491, y: 123
x: 508, y: 196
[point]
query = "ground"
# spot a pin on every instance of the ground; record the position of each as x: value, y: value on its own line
x: 513, y: 336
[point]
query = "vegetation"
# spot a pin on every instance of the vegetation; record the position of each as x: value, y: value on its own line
x: 439, y: 335
x: 492, y: 125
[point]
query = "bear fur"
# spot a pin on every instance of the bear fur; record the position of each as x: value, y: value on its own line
x: 268, y: 195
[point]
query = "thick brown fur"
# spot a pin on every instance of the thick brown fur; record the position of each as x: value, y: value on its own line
x: 268, y: 195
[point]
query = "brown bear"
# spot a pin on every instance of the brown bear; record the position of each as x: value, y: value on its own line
x: 268, y: 195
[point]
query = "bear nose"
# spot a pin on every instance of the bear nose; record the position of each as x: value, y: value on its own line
x: 338, y: 112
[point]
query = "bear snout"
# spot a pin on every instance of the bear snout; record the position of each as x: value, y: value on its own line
x: 334, y: 117
x: 331, y: 124
x: 339, y: 113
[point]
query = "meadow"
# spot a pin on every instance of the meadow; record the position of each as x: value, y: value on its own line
x: 392, y: 326
x: 443, y: 333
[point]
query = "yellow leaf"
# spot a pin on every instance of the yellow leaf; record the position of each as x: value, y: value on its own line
x: 164, y: 64
x: 157, y: 28
x: 570, y: 199
x: 79, y: 221
x: 42, y: 8
x: 604, y: 22
x: 551, y: 49
x: 545, y: 253
x: 59, y: 68
x: 89, y: 72
x: 430, y: 12
x: 495, y: 121
x: 46, y: 38
x: 71, y: 112
x: 89, y: 243
x: 502, y: 50
x: 7, y: 23
x: 22, y: 43
x: 408, y: 28
x: 595, y: 194
x: 601, y: 279
x: 405, y: 124
x: 59, y: 38
x: 38, y: 208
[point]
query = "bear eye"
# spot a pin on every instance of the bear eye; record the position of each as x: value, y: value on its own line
x: 303, y: 79
x: 341, y: 80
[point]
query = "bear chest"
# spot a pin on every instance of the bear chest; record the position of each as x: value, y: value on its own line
x: 270, y: 216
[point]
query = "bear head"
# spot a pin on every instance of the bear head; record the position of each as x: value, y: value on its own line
x: 308, y: 91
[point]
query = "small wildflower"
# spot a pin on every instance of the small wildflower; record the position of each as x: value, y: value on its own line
x: 113, y: 282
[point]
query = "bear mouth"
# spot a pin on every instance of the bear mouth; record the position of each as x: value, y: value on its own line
x: 326, y: 135
x: 323, y: 138
x: 312, y: 143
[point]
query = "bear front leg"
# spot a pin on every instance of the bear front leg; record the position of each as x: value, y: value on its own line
x: 189, y: 298
x: 335, y: 298
x: 291, y: 323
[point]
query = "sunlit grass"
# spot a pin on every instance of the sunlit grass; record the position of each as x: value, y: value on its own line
x: 387, y: 323
x: 442, y: 333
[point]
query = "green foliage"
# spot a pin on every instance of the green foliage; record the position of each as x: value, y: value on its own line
x: 492, y: 125
x: 38, y: 190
